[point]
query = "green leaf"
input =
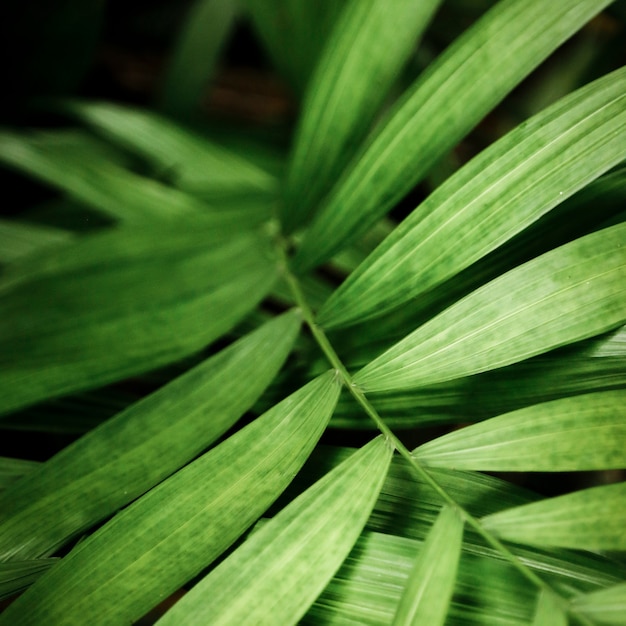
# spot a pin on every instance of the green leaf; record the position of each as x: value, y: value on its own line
x: 16, y: 576
x: 12, y: 470
x: 568, y: 294
x: 360, y: 62
x: 549, y: 611
x: 427, y: 595
x: 123, y: 302
x: 19, y: 239
x: 498, y: 194
x: 190, y: 161
x: 444, y: 104
x: 195, y: 53
x: 581, y: 433
x: 606, y: 606
x: 169, y: 535
x: 590, y: 519
x: 279, y: 571
x: 129, y: 454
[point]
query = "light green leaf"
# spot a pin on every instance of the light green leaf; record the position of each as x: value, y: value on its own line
x: 444, y: 104
x: 568, y: 294
x: 585, y: 432
x: 129, y: 454
x: 190, y: 161
x: 169, y: 535
x: 591, y: 519
x: 549, y: 611
x: 428, y: 591
x: 12, y: 470
x: 19, y: 239
x: 123, y: 302
x: 279, y: 571
x: 195, y: 53
x: 606, y: 606
x: 360, y: 62
x: 498, y: 194
x: 16, y: 576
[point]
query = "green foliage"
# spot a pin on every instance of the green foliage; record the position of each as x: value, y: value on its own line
x: 499, y: 299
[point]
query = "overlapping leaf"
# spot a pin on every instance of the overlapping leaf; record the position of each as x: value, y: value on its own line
x: 571, y: 293
x: 129, y: 454
x: 606, y: 606
x: 590, y: 519
x: 361, y: 60
x: 15, y: 576
x: 471, y: 77
x: 12, y: 470
x: 279, y: 571
x: 549, y: 611
x: 19, y: 239
x: 165, y: 538
x: 586, y: 432
x: 123, y: 302
x: 498, y: 194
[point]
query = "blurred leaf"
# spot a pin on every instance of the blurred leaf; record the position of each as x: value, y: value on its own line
x: 606, y: 606
x: 129, y: 454
x: 361, y: 60
x: 442, y: 106
x: 279, y: 571
x: 123, y: 302
x: 19, y: 239
x: 549, y: 611
x: 195, y: 54
x: 16, y: 576
x: 191, y: 162
x: 586, y: 432
x: 495, y: 196
x: 516, y: 316
x: 12, y: 470
x: 294, y: 32
x: 169, y: 535
x: 427, y: 595
x: 590, y: 519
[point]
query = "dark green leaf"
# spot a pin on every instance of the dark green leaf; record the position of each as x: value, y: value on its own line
x: 12, y: 470
x: 16, y: 576
x: 19, y: 239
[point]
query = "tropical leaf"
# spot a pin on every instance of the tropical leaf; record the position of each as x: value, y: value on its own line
x: 519, y: 315
x: 456, y: 91
x: 549, y: 611
x: 12, y: 470
x: 280, y: 570
x: 165, y: 538
x: 19, y: 239
x: 495, y: 196
x: 123, y: 302
x: 590, y: 519
x: 429, y: 588
x: 606, y: 606
x: 582, y: 433
x: 127, y: 455
x: 16, y: 576
x: 362, y: 58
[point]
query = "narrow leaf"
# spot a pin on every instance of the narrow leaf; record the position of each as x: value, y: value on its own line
x: 19, y: 239
x: 168, y: 536
x: 189, y: 161
x: 568, y: 294
x: 498, y: 194
x: 549, y: 611
x: 193, y: 59
x: 129, y: 454
x: 581, y: 433
x: 444, y: 104
x: 15, y: 576
x: 607, y: 606
x: 429, y: 588
x: 123, y: 302
x: 12, y: 470
x: 361, y: 60
x: 279, y: 571
x: 591, y: 519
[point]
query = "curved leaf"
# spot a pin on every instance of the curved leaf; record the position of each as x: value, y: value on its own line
x: 586, y: 432
x: 362, y: 58
x: 123, y: 302
x: 445, y: 103
x: 132, y: 452
x: 606, y: 606
x: 590, y: 519
x: 571, y: 293
x: 498, y: 194
x: 428, y: 591
x: 279, y: 571
x: 169, y: 535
